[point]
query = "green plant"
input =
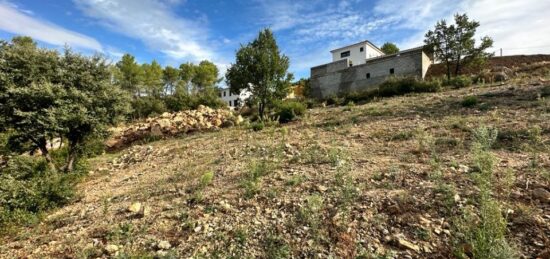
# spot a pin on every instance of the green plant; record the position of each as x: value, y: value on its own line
x: 289, y: 110
x: 311, y: 212
x: 257, y: 125
x: 469, y: 101
x: 484, y: 231
x: 403, y: 85
x: 276, y: 247
x: 458, y: 81
x: 251, y: 181
x: 28, y: 188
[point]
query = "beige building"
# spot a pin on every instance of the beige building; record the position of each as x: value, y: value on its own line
x: 344, y: 75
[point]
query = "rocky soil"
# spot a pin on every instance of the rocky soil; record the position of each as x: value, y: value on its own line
x: 388, y: 179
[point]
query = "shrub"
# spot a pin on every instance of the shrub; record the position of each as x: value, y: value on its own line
x: 257, y: 125
x: 360, y: 96
x: 28, y: 188
x: 458, y: 81
x: 289, y: 110
x: 403, y: 85
x: 144, y: 107
x: 469, y: 101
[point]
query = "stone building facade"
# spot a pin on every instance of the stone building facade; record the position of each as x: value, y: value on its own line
x: 338, y: 77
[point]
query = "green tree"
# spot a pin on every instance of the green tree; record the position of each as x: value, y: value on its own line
x: 61, y: 95
x: 205, y: 75
x: 170, y: 78
x: 453, y: 44
x: 187, y: 72
x: 389, y: 48
x: 152, y: 78
x: 27, y: 94
x: 262, y: 69
x: 130, y: 74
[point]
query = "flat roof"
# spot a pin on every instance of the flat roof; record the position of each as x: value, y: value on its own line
x: 358, y: 43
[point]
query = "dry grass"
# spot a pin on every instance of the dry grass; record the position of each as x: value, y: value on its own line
x: 342, y: 182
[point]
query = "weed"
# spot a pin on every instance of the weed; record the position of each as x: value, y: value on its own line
x: 251, y: 182
x: 469, y: 101
x: 295, y: 180
x: 311, y: 213
x: 276, y: 247
x: 484, y: 232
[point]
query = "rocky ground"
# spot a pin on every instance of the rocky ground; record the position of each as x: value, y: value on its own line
x: 388, y: 179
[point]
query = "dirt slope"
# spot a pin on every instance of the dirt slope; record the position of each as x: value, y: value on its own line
x: 388, y: 178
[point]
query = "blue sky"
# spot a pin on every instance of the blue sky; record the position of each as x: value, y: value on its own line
x: 178, y: 31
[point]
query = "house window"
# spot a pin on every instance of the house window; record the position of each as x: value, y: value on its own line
x: 223, y: 93
x: 361, y: 49
x: 392, y: 71
x: 345, y: 54
x: 368, y: 75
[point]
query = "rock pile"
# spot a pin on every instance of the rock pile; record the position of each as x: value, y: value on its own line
x: 170, y: 124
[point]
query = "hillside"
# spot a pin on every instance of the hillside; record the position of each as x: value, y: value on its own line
x: 387, y: 178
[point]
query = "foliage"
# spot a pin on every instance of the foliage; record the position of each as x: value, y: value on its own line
x: 484, y: 231
x: 453, y: 44
x: 261, y: 69
x: 148, y: 106
x: 28, y: 188
x: 45, y: 95
x: 399, y: 86
x: 130, y: 74
x: 469, y: 101
x: 289, y: 110
x: 389, y: 48
x: 205, y: 75
x: 458, y: 81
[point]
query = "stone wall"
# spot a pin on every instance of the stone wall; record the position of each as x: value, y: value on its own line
x: 336, y: 78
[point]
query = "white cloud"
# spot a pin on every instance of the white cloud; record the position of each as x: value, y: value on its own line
x: 154, y: 23
x: 519, y: 27
x: 18, y: 21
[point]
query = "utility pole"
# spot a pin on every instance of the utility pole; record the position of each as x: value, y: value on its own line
x: 501, y: 52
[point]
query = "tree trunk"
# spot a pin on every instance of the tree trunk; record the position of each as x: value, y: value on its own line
x: 42, y: 145
x: 457, y: 69
x: 448, y: 69
x: 71, y: 157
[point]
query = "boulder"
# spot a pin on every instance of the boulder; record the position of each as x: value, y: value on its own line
x: 500, y: 77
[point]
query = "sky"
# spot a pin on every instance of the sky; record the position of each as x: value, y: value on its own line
x: 178, y: 31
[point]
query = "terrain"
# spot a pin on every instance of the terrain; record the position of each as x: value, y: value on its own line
x: 390, y: 178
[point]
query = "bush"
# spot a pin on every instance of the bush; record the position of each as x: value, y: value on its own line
x: 362, y: 96
x: 28, y: 188
x: 289, y: 110
x: 469, y: 101
x: 148, y: 106
x: 257, y: 126
x: 458, y: 81
x: 400, y: 86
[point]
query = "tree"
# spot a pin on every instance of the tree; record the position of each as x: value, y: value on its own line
x: 187, y: 72
x: 261, y: 69
x: 455, y: 43
x: 170, y: 78
x: 68, y: 96
x: 205, y: 75
x: 131, y: 74
x: 389, y: 48
x: 152, y: 78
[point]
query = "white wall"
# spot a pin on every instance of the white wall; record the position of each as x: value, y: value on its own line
x: 230, y: 98
x: 357, y: 57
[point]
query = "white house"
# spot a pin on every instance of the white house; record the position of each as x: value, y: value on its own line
x: 357, y: 53
x: 234, y: 100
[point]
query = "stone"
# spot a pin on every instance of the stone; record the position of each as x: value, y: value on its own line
x: 322, y: 188
x: 541, y: 194
x: 164, y: 245
x: 408, y: 245
x: 111, y: 249
x: 135, y: 207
